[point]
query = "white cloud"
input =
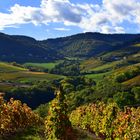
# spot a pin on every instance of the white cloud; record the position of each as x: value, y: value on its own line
x: 107, y: 17
x: 61, y: 10
x: 62, y: 29
x: 18, y: 15
x: 120, y: 10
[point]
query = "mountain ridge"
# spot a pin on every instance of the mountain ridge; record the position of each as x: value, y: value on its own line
x: 22, y: 48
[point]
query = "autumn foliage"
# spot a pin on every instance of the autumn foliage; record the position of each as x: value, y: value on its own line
x: 57, y: 124
x: 108, y: 121
x: 15, y: 116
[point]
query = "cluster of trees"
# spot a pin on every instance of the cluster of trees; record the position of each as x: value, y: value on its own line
x: 79, y: 90
x: 82, y: 90
x: 34, y: 95
x: 67, y: 68
x: 128, y: 98
x: 106, y: 88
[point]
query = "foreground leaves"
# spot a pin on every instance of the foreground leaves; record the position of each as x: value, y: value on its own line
x: 108, y: 121
x: 15, y: 116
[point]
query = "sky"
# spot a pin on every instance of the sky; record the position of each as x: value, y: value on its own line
x: 44, y: 19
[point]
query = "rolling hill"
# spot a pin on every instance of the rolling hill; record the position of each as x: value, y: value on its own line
x: 26, y: 49
x: 21, y: 49
x: 14, y: 76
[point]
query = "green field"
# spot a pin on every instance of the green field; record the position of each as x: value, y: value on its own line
x: 28, y: 76
x: 90, y: 64
x: 137, y: 45
x: 98, y: 66
x: 13, y: 74
x: 107, y: 66
x: 10, y: 72
x: 6, y: 68
x: 99, y: 76
x: 44, y: 65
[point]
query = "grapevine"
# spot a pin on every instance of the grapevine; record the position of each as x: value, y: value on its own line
x: 108, y: 121
x: 15, y: 116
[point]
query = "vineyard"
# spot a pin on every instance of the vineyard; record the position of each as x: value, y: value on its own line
x: 15, y: 116
x: 108, y: 121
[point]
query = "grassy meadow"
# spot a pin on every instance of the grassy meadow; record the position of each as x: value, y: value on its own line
x: 48, y: 66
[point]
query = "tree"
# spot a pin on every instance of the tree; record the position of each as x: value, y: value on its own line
x: 106, y: 89
x: 136, y: 91
x: 58, y: 126
x: 124, y: 99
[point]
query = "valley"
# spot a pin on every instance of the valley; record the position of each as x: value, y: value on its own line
x: 74, y: 79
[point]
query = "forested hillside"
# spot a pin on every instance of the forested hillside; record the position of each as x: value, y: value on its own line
x: 26, y: 49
